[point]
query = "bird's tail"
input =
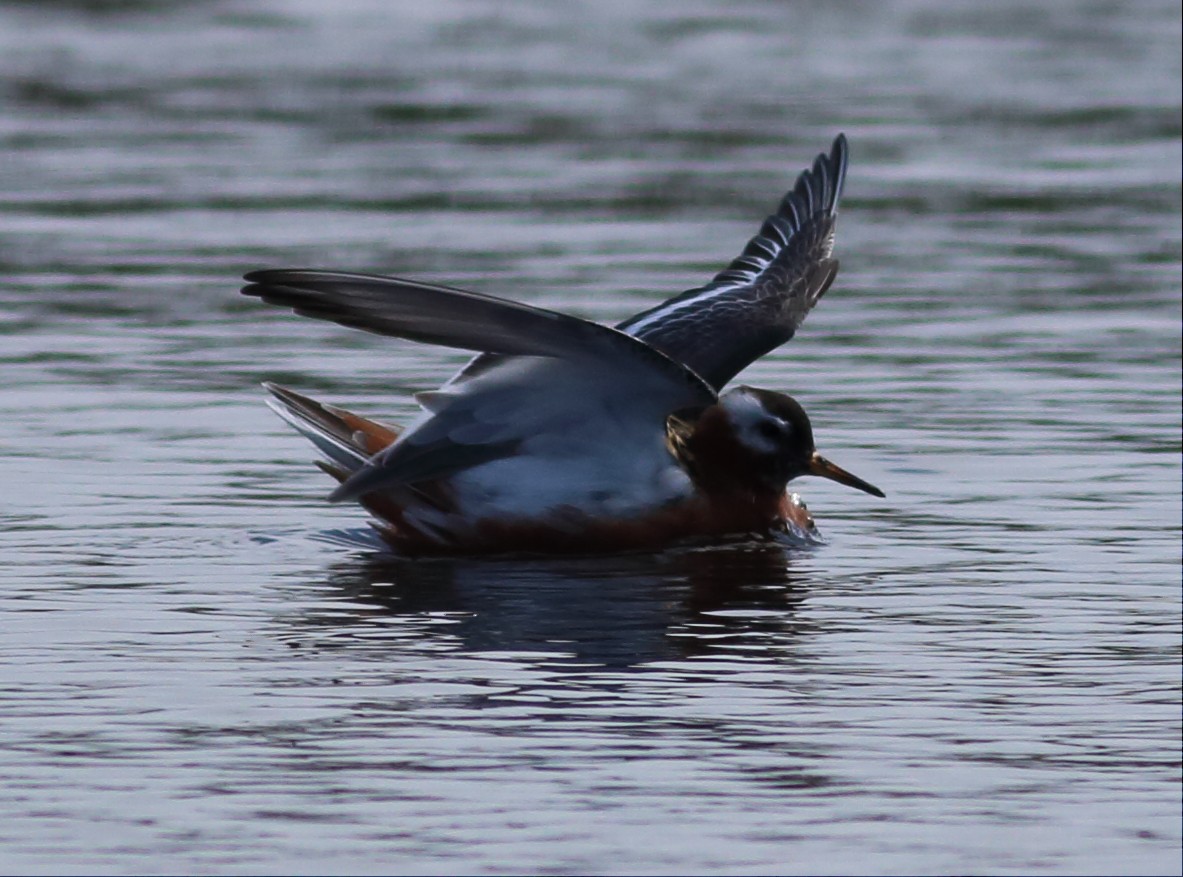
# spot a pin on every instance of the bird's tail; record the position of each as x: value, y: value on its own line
x: 346, y: 439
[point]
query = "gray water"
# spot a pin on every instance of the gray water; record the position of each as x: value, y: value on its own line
x: 980, y: 674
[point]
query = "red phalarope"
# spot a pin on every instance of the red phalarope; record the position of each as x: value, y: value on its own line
x: 566, y: 435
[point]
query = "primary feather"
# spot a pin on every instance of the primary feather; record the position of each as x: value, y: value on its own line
x: 757, y: 302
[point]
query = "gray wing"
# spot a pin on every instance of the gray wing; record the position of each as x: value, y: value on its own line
x: 759, y: 300
x: 459, y: 318
x: 486, y: 419
x: 433, y: 314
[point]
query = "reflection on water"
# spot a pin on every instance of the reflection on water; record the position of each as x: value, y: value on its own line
x: 615, y: 612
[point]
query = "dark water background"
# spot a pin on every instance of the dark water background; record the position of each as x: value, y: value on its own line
x: 979, y: 674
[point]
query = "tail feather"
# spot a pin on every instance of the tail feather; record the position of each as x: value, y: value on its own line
x: 409, y: 516
x: 346, y: 439
x: 340, y: 473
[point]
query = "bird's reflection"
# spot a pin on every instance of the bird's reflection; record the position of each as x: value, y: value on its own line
x: 616, y: 611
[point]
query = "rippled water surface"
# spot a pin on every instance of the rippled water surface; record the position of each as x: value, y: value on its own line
x: 980, y: 674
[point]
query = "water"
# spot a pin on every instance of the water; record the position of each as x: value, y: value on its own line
x: 979, y: 674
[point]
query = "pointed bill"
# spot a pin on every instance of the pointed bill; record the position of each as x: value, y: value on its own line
x: 819, y: 465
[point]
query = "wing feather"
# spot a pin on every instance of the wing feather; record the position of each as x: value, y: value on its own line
x: 757, y: 302
x: 484, y: 420
x: 428, y: 313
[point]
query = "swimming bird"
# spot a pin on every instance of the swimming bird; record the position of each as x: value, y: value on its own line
x: 565, y: 435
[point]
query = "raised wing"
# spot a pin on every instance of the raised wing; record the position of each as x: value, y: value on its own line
x: 430, y: 314
x: 457, y: 318
x: 759, y: 300
x: 488, y: 417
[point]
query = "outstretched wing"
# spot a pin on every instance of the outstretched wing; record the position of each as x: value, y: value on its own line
x: 429, y: 313
x: 459, y: 318
x: 488, y: 418
x: 759, y: 300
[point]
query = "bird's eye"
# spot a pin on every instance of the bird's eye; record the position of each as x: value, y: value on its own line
x: 769, y: 430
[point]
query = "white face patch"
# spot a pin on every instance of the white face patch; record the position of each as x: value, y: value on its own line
x: 752, y: 422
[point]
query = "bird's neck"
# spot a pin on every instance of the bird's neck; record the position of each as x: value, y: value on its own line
x: 727, y: 474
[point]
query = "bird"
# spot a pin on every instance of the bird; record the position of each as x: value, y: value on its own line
x: 563, y: 435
